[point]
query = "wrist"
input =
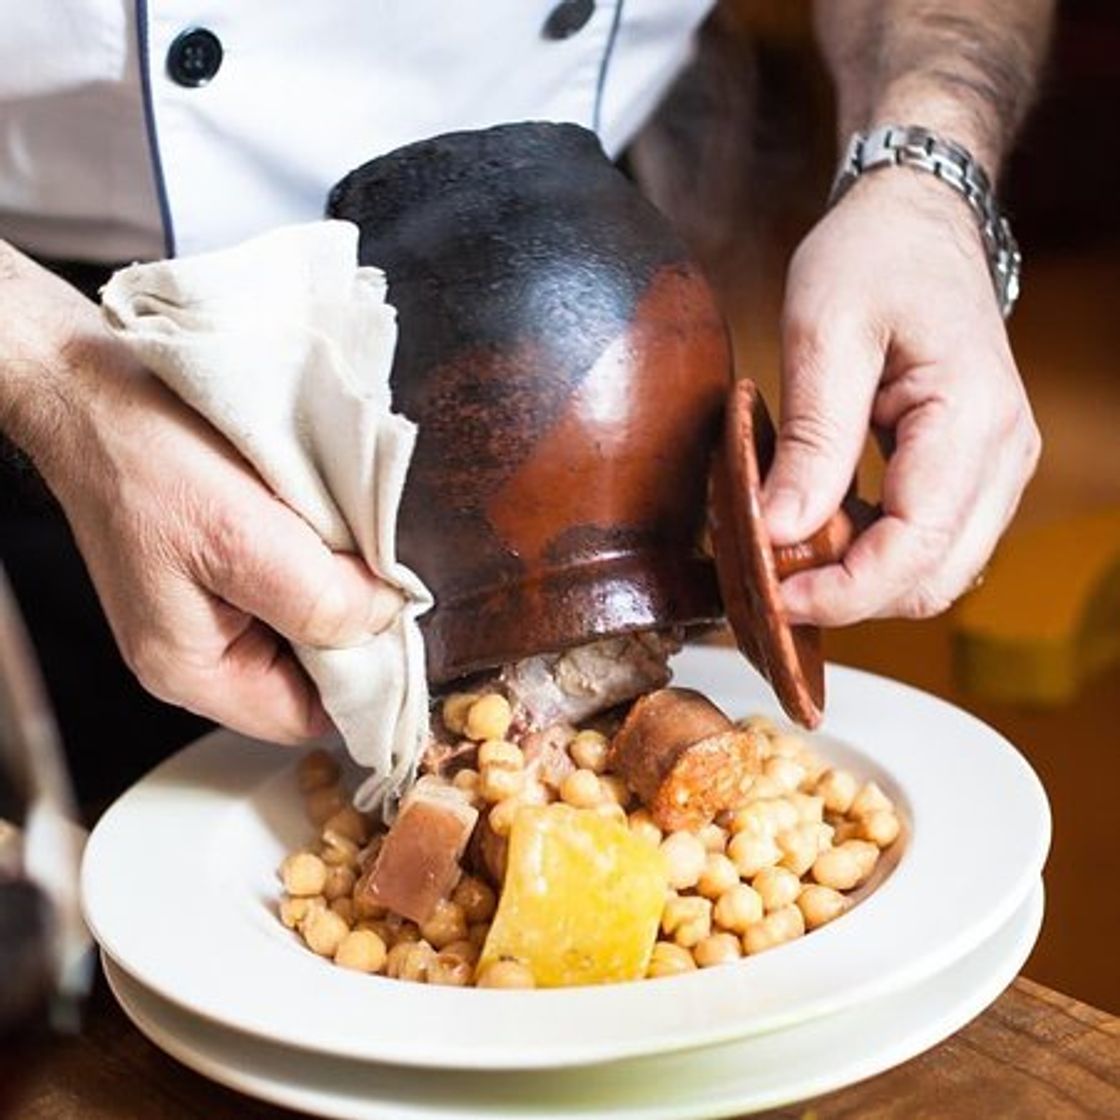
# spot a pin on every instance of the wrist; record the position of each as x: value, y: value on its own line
x: 902, y: 151
x: 910, y: 100
x: 40, y: 384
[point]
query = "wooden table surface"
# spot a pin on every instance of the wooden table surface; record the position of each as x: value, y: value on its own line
x: 1033, y: 1055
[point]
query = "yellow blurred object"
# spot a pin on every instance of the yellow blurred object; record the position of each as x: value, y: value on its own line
x: 582, y: 898
x: 1047, y: 617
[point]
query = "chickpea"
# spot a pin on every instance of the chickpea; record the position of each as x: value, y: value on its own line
x: 468, y: 780
x: 344, y: 908
x: 809, y: 806
x: 338, y: 850
x: 783, y: 744
x: 454, y: 710
x: 880, y: 826
x: 719, y: 948
x: 464, y: 948
x: 501, y: 815
x: 869, y: 799
x: 446, y: 923
x: 476, y: 899
x: 339, y: 884
x: 407, y: 931
x: 767, y: 787
x: 713, y: 837
x: 765, y: 816
x: 488, y: 717
x: 294, y: 910
x: 776, y: 928
x: 506, y: 974
x: 534, y: 792
x: 361, y: 950
x: 497, y: 783
x: 581, y: 789
x: 738, y: 908
x: 323, y: 930
x: 687, y: 919
x: 839, y: 789
x: 642, y: 824
x: 751, y: 853
x: 787, y: 772
x: 845, y: 866
x: 669, y: 959
x: 366, y: 910
x: 500, y: 752
x: 409, y: 960
x: 799, y: 846
x: 819, y: 905
x: 322, y: 804
x: 589, y: 751
x: 379, y: 926
x: 615, y: 788
x: 450, y: 970
x: 777, y: 887
x: 350, y: 823
x: 612, y: 811
x: 315, y: 770
x: 303, y: 874
x: 760, y: 723
x: 718, y: 877
x: 685, y: 858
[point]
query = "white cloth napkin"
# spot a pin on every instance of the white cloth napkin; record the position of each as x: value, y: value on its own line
x: 285, y: 345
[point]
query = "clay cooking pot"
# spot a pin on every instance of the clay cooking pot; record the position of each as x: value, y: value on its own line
x: 568, y: 368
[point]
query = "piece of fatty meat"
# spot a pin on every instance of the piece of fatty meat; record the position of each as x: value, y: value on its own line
x: 418, y: 862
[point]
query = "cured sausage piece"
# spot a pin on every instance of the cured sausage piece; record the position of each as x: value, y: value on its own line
x: 684, y: 758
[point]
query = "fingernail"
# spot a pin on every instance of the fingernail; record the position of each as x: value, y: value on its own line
x: 782, y: 511
x: 385, y: 604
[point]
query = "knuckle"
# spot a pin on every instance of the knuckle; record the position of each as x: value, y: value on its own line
x: 225, y: 545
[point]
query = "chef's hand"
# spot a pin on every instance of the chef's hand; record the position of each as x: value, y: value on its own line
x: 202, y: 572
x: 890, y: 320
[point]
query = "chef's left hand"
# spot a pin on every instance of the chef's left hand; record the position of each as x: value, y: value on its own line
x: 890, y: 320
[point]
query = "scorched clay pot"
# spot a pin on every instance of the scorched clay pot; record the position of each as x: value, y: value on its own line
x: 568, y: 368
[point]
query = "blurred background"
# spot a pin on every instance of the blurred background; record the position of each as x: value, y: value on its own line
x: 1036, y: 651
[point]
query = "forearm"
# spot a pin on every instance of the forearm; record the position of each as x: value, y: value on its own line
x: 967, y: 69
x: 43, y: 324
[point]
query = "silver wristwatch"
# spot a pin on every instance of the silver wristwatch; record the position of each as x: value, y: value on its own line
x: 912, y: 146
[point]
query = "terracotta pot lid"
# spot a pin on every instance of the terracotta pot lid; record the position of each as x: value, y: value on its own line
x: 750, y: 569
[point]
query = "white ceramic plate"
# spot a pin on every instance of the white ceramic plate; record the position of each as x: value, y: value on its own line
x: 180, y: 889
x: 729, y: 1079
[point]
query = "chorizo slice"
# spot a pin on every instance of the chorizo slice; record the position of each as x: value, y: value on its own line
x: 684, y: 758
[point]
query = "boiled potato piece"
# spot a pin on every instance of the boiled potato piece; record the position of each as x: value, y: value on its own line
x: 581, y: 901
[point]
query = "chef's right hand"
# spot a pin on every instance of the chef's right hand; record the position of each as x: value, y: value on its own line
x: 204, y: 574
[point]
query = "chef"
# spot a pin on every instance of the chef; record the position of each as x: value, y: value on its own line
x: 142, y: 130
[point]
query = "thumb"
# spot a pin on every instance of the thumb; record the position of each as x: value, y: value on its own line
x: 828, y: 387
x: 283, y: 574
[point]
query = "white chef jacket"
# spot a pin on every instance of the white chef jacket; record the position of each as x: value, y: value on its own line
x: 105, y: 156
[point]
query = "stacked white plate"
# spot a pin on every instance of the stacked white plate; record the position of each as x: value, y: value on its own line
x: 180, y: 890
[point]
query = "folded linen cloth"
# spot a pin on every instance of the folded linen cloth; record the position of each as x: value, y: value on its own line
x: 285, y: 345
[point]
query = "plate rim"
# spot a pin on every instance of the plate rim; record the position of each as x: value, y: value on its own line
x: 1021, y: 930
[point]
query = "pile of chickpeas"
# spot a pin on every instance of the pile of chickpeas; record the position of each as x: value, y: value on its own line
x: 781, y: 864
